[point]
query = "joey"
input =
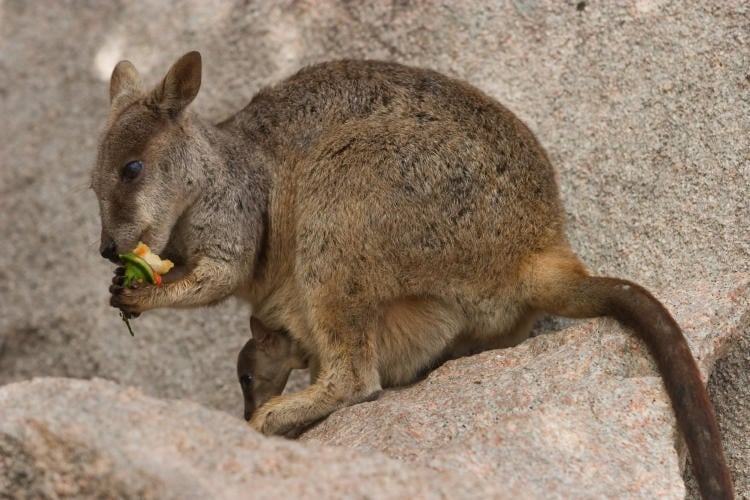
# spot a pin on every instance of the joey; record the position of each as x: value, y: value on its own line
x: 375, y: 211
x: 264, y: 364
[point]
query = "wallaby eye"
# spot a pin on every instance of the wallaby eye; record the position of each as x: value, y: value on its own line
x: 246, y: 380
x: 131, y: 170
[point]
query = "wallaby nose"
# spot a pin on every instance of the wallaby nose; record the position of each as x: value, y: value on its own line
x: 109, y: 250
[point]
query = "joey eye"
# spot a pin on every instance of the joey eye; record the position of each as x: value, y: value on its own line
x: 246, y: 380
x: 131, y: 170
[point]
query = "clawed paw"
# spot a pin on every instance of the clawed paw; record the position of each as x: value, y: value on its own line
x: 131, y: 299
x: 261, y: 422
x: 268, y: 423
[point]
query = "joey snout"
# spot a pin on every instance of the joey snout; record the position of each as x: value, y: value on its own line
x: 246, y: 382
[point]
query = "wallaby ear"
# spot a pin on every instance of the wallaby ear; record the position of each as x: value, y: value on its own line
x: 125, y: 80
x: 180, y: 86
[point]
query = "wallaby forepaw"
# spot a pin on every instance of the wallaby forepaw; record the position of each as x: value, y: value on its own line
x: 130, y: 300
x: 262, y: 422
x: 270, y: 421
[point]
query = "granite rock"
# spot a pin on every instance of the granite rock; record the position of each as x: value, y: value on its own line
x: 643, y: 107
x: 73, y: 438
x: 579, y: 413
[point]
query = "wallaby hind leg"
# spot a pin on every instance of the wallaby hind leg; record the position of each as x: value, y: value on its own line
x: 347, y: 375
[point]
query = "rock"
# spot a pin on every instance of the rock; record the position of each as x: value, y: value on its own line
x: 579, y: 413
x: 728, y: 387
x: 642, y: 106
x: 82, y: 439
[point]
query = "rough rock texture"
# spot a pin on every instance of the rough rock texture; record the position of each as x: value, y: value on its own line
x: 95, y: 439
x: 729, y: 386
x: 644, y: 107
x: 577, y: 414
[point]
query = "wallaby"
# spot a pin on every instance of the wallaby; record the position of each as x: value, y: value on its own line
x: 375, y: 211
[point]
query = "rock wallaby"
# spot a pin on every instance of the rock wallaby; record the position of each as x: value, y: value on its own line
x: 377, y: 212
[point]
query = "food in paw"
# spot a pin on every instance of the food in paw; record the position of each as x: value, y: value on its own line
x: 142, y: 265
x: 158, y: 265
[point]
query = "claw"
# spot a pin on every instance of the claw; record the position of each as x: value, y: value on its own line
x: 114, y: 301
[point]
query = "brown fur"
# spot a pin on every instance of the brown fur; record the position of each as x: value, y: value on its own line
x: 266, y: 360
x: 376, y: 211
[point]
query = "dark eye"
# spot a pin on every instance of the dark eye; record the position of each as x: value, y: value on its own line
x: 131, y: 170
x: 246, y: 380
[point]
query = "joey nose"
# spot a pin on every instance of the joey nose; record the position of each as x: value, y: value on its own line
x: 109, y: 250
x: 249, y: 409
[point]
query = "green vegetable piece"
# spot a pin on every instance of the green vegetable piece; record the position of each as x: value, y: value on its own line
x: 136, y: 269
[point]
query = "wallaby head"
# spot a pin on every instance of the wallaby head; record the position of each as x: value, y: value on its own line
x: 264, y: 364
x: 149, y: 157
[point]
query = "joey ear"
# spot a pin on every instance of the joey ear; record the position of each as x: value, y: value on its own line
x: 180, y: 86
x: 263, y: 336
x: 125, y: 80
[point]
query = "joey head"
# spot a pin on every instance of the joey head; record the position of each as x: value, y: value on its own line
x: 375, y: 211
x: 264, y: 364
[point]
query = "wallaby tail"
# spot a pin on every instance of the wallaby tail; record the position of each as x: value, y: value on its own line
x: 566, y: 290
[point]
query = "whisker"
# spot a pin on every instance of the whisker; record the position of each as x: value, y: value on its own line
x: 80, y: 188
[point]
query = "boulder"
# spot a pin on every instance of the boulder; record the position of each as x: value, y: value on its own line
x: 93, y: 438
x: 577, y: 413
x: 642, y: 106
